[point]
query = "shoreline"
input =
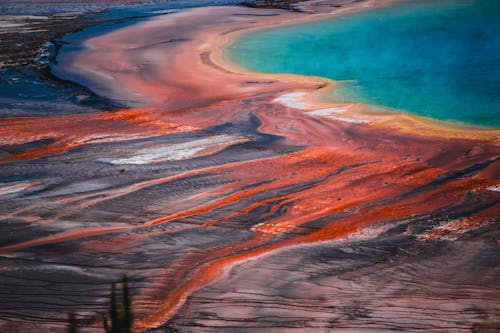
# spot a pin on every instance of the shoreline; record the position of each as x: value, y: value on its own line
x: 214, y: 55
x: 314, y: 99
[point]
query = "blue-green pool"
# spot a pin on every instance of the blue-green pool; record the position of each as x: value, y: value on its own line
x: 439, y: 59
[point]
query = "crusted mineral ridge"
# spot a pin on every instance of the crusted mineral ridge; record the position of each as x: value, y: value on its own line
x: 295, y: 222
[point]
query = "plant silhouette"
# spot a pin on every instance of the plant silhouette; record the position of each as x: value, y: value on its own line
x: 72, y: 323
x: 121, y: 317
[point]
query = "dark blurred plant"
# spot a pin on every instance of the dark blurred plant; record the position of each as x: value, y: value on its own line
x: 72, y: 323
x: 121, y: 317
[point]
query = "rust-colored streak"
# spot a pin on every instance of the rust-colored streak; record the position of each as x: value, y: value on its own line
x: 62, y: 237
x: 69, y: 131
x: 222, y: 260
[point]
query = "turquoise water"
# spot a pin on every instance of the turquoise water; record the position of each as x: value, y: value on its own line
x: 439, y: 59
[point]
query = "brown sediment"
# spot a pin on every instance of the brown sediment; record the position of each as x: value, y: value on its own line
x: 70, y: 131
x: 313, y: 178
x: 63, y: 237
x: 220, y: 260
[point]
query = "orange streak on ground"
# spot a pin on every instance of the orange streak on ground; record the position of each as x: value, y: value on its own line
x: 343, y: 194
x: 142, y: 185
x: 123, y: 242
x: 456, y: 227
x: 492, y: 171
x: 245, y: 210
x: 207, y: 274
x: 62, y: 237
x: 418, y: 204
x: 320, y: 162
x: 70, y: 131
x: 427, y: 201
